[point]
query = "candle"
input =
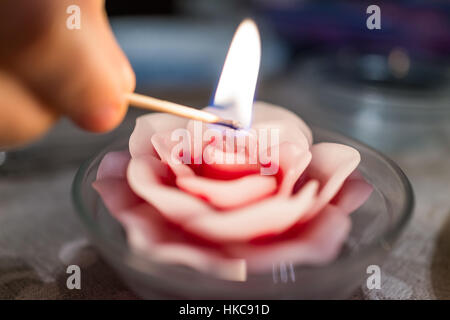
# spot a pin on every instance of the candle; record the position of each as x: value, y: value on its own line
x: 230, y: 202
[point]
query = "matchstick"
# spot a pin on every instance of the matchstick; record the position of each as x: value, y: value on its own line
x: 150, y: 103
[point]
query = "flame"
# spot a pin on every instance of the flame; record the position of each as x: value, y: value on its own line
x: 236, y: 89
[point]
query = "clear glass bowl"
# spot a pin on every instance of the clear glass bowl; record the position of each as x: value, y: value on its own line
x: 375, y: 227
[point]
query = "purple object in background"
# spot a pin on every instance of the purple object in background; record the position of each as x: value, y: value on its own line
x: 421, y: 27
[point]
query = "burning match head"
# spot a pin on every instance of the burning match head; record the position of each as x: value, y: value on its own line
x: 230, y: 123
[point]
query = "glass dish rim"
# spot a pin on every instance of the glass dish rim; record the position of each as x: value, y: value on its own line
x: 387, y: 236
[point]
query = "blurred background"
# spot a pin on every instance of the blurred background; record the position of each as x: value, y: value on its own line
x: 389, y: 88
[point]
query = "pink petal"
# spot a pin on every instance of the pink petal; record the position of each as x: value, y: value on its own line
x: 215, y: 168
x: 150, y: 235
x: 266, y: 112
x: 230, y: 193
x: 287, y: 131
x: 116, y: 194
x: 293, y: 162
x: 331, y: 164
x: 114, y: 164
x: 202, y: 260
x: 353, y: 194
x: 318, y: 243
x: 165, y: 146
x: 146, y: 126
x: 217, y: 161
x: 271, y: 216
x: 144, y: 177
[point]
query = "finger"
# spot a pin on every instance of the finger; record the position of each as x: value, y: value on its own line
x: 81, y: 73
x: 23, y: 118
x: 116, y: 55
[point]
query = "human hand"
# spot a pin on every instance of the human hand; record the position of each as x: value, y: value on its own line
x: 48, y: 70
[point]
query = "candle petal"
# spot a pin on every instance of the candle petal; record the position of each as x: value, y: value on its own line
x: 292, y: 164
x: 215, y: 167
x: 146, y: 126
x: 149, y: 235
x: 222, y: 194
x: 144, y: 177
x: 331, y: 164
x: 116, y: 195
x: 266, y: 112
x: 254, y: 220
x: 114, y: 164
x: 318, y: 242
x: 201, y: 259
x: 164, y: 146
x: 354, y: 192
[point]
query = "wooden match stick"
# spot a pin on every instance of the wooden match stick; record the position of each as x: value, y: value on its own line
x: 150, y: 103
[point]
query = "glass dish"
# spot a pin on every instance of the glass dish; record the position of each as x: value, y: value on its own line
x: 376, y: 225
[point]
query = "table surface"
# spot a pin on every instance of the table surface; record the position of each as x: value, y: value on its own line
x: 40, y: 234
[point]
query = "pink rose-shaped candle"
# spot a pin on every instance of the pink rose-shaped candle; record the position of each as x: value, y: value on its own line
x: 229, y: 202
x: 228, y: 219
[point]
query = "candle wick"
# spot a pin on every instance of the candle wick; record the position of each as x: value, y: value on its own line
x: 233, y: 124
